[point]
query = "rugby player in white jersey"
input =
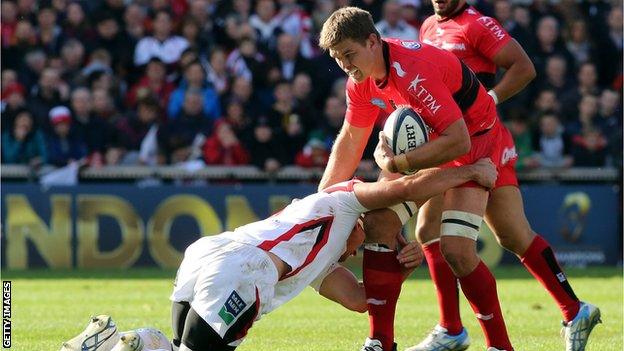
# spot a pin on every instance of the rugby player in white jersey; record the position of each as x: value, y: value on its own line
x: 228, y: 281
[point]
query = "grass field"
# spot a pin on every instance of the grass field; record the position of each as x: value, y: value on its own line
x: 50, y: 307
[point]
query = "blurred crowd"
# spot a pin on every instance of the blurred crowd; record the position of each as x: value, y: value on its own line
x: 242, y: 82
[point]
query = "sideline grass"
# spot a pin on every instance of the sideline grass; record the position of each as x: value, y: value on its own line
x: 52, y: 306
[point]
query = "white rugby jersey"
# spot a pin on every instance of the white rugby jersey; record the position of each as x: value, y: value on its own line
x: 309, y: 235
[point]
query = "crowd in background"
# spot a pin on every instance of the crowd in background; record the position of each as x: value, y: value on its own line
x: 240, y: 82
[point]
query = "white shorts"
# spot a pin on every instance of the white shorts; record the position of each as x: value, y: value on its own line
x: 222, y: 279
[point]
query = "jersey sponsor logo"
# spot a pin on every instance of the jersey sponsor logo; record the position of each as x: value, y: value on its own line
x: 412, y: 45
x: 422, y: 94
x: 399, y: 70
x: 509, y: 153
x: 453, y: 46
x: 471, y: 12
x: 489, y: 23
x: 561, y: 277
x: 378, y: 102
x: 232, y: 307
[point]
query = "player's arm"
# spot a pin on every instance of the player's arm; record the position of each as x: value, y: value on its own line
x: 342, y: 286
x: 519, y: 70
x: 423, y: 185
x: 345, y: 155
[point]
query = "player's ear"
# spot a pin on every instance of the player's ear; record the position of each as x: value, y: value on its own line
x: 372, y: 40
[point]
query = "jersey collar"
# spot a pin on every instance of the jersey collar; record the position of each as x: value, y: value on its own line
x: 386, y: 56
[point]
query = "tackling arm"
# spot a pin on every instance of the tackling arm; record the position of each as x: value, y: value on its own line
x: 520, y: 70
x: 423, y: 185
x: 345, y: 155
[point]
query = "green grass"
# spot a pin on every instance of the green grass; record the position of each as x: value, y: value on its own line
x: 50, y: 307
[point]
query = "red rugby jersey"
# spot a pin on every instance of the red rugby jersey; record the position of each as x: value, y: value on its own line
x: 434, y: 82
x: 471, y: 36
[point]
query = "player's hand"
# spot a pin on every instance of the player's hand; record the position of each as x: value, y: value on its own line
x: 485, y: 172
x: 410, y: 255
x: 384, y: 155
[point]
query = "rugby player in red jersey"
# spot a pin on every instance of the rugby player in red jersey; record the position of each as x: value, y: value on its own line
x: 484, y: 45
x: 384, y: 74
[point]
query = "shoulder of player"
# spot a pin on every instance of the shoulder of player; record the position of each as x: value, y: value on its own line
x: 473, y: 21
x: 421, y: 58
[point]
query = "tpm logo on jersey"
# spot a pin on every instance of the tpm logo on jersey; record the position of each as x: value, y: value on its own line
x: 378, y: 102
x: 412, y: 45
x: 490, y: 24
x: 232, y: 307
x: 422, y: 94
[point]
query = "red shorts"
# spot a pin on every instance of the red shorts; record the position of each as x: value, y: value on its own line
x: 498, y: 145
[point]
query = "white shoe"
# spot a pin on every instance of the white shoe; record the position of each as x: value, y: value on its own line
x: 440, y: 340
x: 576, y: 332
x: 375, y: 345
x: 100, y: 334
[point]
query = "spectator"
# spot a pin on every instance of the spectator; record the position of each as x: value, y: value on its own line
x: 503, y: 11
x: 289, y: 121
x: 112, y: 39
x: 163, y: 44
x: 268, y: 151
x: 13, y: 100
x: 392, y: 25
x: 192, y: 32
x: 51, y: 91
x: 552, y: 145
x: 546, y: 102
x: 314, y: 154
x: 96, y: 132
x: 245, y: 61
x: 331, y: 122
x: 76, y: 24
x: 296, y: 22
x: 195, y: 78
x: 133, y: 128
x: 556, y: 77
x: 64, y: 146
x: 409, y: 13
x: 589, y: 148
x: 23, y: 41
x: 586, y: 117
x: 523, y: 139
x: 242, y: 91
x: 104, y: 107
x: 8, y: 16
x: 610, y: 112
x: 303, y: 93
x: 288, y: 60
x: 266, y: 24
x: 549, y: 44
x: 73, y: 56
x: 134, y: 21
x: 23, y: 144
x: 578, y: 42
x: 50, y: 35
x: 587, y: 84
x: 153, y: 82
x: 217, y: 73
x: 238, y: 121
x: 187, y: 131
x: 224, y: 148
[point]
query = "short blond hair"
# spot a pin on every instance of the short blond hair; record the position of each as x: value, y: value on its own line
x: 347, y: 23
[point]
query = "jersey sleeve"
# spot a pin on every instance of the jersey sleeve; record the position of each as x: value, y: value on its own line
x: 361, y: 112
x: 487, y: 36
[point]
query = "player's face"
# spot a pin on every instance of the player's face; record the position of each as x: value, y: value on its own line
x: 355, y: 59
x: 444, y: 8
x: 356, y: 238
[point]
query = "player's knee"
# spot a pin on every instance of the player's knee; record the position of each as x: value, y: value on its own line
x: 381, y: 227
x: 457, y: 257
x: 427, y: 231
x: 357, y: 305
x: 516, y: 241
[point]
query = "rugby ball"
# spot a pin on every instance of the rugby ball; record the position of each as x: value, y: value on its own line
x: 405, y: 130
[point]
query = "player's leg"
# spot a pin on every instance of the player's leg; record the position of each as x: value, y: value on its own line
x: 462, y: 216
x: 179, y: 311
x: 382, y: 274
x: 505, y: 216
x: 449, y: 332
